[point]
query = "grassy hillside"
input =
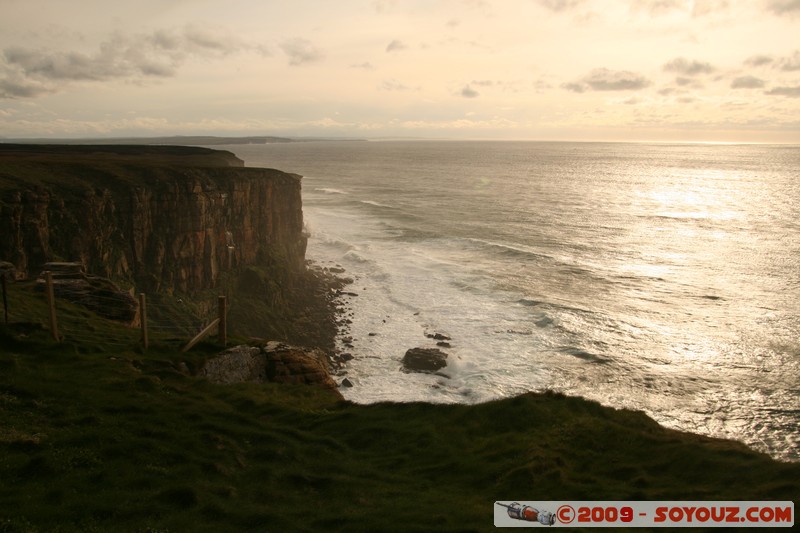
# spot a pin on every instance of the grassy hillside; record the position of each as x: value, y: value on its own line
x: 94, y: 438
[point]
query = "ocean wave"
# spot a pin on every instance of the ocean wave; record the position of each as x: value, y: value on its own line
x: 583, y: 354
x: 376, y: 204
x: 528, y: 302
x: 333, y: 241
x: 356, y: 257
x: 514, y: 250
x: 330, y: 190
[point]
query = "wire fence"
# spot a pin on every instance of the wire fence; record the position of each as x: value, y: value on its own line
x: 107, y: 318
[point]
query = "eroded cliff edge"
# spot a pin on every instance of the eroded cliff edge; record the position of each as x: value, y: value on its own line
x: 162, y: 218
x: 181, y: 224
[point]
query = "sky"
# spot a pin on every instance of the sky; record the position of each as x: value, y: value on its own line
x: 583, y: 70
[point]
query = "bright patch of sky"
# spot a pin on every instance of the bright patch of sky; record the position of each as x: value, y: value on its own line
x: 673, y: 70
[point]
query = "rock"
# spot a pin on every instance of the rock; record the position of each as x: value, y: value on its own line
x: 235, y: 365
x: 271, y: 362
x: 444, y: 344
x: 438, y: 336
x: 427, y: 360
x: 291, y: 364
x: 8, y: 270
x: 346, y: 383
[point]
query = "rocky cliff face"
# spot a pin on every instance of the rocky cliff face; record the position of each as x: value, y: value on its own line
x: 163, y: 218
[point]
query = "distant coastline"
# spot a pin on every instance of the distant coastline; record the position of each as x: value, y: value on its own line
x: 176, y: 140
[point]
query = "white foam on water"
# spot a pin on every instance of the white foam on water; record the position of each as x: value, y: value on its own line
x: 548, y: 265
x: 407, y: 292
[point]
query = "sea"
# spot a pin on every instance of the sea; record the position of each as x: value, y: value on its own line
x: 658, y: 277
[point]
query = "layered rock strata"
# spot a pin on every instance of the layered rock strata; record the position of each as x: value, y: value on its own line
x: 162, y: 218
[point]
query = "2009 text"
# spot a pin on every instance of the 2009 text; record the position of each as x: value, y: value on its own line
x: 649, y: 513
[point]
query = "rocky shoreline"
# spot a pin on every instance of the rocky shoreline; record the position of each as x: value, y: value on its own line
x: 416, y: 359
x: 180, y: 222
x: 309, y: 351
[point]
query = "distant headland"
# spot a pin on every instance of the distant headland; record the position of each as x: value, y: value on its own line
x: 176, y: 140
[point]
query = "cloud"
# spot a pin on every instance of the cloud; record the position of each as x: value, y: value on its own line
x: 681, y: 65
x: 300, y: 51
x: 115, y: 59
x: 204, y: 40
x: 27, y: 72
x: 784, y: 7
x: 790, y: 63
x: 602, y: 79
x: 14, y: 86
x: 559, y: 5
x: 383, y: 6
x: 496, y: 123
x: 395, y: 46
x: 747, y: 82
x: 758, y: 60
x: 708, y: 7
x: 792, y: 92
x: 575, y: 87
x: 365, y: 65
x: 657, y: 7
x: 469, y: 92
x: 393, y: 85
x: 698, y: 8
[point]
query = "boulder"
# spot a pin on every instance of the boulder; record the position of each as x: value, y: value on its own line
x: 8, y: 270
x: 270, y: 362
x: 236, y: 365
x: 290, y: 364
x: 427, y: 360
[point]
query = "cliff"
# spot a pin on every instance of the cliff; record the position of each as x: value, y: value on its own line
x: 162, y: 218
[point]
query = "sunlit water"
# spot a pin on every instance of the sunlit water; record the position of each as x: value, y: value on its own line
x: 664, y: 278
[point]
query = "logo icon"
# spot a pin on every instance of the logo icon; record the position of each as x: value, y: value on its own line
x: 529, y: 514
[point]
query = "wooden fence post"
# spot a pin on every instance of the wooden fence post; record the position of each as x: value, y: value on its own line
x: 223, y: 323
x: 51, y: 302
x: 5, y: 300
x: 143, y: 318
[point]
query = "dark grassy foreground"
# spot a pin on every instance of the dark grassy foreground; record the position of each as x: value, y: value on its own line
x: 97, y: 440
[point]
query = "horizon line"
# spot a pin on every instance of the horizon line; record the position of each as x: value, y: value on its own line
x: 383, y: 138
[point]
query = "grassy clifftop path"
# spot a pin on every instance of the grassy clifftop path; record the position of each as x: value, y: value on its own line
x: 99, y: 440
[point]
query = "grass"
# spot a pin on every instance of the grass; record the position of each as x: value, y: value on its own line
x: 99, y: 440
